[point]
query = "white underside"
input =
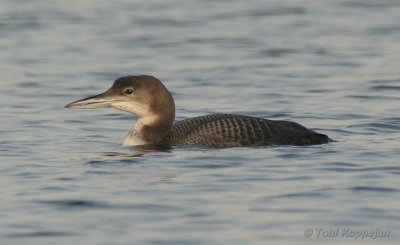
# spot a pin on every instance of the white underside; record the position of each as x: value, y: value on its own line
x: 134, y: 136
x: 132, y: 141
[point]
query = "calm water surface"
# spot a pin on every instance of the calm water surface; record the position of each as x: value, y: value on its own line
x: 330, y: 65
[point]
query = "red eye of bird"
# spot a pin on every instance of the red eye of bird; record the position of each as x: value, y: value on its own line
x: 128, y: 91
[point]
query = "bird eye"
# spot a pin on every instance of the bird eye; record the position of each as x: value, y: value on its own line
x: 128, y: 91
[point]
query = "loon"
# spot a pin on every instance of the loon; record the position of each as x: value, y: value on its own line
x: 147, y: 98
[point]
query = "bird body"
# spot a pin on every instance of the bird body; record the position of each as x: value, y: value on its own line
x: 147, y: 98
x: 228, y: 130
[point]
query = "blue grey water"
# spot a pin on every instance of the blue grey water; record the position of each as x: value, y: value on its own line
x: 332, y: 66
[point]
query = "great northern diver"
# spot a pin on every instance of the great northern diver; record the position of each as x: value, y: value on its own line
x: 147, y: 98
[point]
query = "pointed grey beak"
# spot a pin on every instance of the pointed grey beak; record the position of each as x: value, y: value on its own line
x: 91, y: 102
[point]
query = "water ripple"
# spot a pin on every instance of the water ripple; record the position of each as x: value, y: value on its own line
x: 76, y: 204
x: 376, y: 127
x: 39, y: 234
x: 385, y: 87
x: 373, y: 189
x: 374, y: 97
x: 88, y: 204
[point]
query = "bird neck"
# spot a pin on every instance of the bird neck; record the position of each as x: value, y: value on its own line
x: 149, y: 130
